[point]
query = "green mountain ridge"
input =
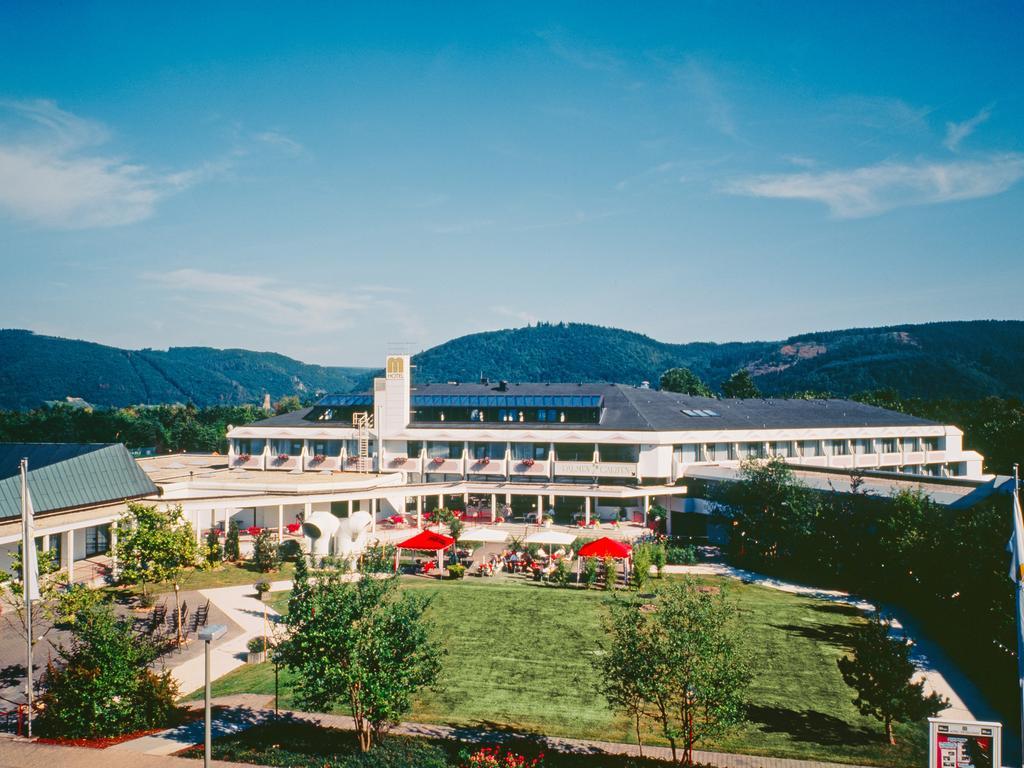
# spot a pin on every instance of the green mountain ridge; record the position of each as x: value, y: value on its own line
x: 955, y: 359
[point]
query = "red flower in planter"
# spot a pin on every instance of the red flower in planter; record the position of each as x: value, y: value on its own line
x: 242, y: 458
x: 484, y: 461
x: 528, y: 462
x: 399, y: 460
x: 282, y: 458
x: 353, y: 459
x: 439, y: 460
x: 319, y: 459
x: 254, y: 530
x: 294, y: 527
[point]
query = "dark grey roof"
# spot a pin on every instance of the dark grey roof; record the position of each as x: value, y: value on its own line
x: 637, y: 409
x: 68, y: 475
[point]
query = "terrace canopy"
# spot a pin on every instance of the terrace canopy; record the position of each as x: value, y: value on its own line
x: 484, y: 535
x: 426, y: 541
x: 606, y: 547
x: 551, y: 537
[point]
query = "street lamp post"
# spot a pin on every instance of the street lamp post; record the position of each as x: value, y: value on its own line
x: 208, y: 635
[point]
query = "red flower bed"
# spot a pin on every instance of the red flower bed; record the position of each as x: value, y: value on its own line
x: 254, y: 530
x: 243, y: 458
x: 100, y: 742
x: 498, y: 757
x: 282, y: 458
x: 294, y: 527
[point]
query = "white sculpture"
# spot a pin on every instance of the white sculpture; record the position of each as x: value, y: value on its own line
x: 342, y: 537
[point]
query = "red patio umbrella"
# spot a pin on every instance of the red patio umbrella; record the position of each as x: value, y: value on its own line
x: 605, y: 547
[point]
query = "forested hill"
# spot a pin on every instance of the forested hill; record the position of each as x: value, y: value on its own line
x: 35, y: 369
x: 960, y: 360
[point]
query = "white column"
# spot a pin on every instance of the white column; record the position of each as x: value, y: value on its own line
x: 113, y: 547
x: 586, y: 510
x: 540, y: 510
x: 373, y: 515
x: 440, y: 501
x: 350, y: 507
x: 647, y: 508
x: 280, y: 523
x: 494, y: 506
x: 668, y: 515
x: 465, y: 499
x: 199, y: 528
x: 419, y: 512
x: 69, y: 540
x: 46, y: 537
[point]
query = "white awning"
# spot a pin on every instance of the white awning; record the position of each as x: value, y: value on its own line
x: 482, y: 534
x: 551, y: 537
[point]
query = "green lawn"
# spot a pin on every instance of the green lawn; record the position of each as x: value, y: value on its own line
x: 225, y: 575
x: 519, y: 657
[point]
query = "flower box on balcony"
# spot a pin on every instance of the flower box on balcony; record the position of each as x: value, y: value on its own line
x: 353, y: 459
x: 527, y: 463
x: 319, y: 459
x: 282, y: 458
x: 483, y: 462
x: 399, y: 460
x: 242, y: 458
x: 438, y: 460
x: 254, y: 530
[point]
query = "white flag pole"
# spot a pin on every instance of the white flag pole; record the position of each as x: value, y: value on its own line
x: 1018, y: 546
x: 28, y: 585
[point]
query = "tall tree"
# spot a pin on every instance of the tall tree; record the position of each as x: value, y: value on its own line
x: 740, y: 384
x: 684, y: 381
x: 155, y: 545
x: 364, y: 646
x: 676, y: 661
x: 881, y: 673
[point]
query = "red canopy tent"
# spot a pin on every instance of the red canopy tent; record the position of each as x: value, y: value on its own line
x: 605, y: 547
x: 426, y: 541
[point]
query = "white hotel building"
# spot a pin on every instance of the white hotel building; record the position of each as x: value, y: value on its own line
x: 583, y: 452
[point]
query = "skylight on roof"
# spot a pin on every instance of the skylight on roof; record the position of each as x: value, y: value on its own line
x: 699, y: 413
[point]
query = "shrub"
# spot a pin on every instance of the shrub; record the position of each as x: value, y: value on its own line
x: 560, y: 576
x: 590, y: 572
x: 264, y: 554
x: 391, y: 753
x: 289, y: 551
x: 231, y: 549
x: 641, y: 566
x: 101, y: 685
x: 685, y: 555
x: 497, y: 757
x: 261, y: 587
x: 259, y: 644
x: 610, y: 573
x: 379, y: 558
x: 75, y: 600
x: 213, y: 552
x: 660, y: 557
x: 456, y: 571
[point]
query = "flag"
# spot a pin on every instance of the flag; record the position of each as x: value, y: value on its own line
x: 1016, y: 542
x: 29, y: 543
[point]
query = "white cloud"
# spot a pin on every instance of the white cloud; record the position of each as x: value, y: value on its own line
x: 708, y: 90
x: 52, y: 174
x: 579, y: 53
x: 277, y: 139
x: 878, y: 188
x: 957, y: 132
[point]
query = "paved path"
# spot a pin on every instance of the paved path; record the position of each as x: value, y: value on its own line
x: 240, y: 712
x: 18, y: 753
x: 242, y: 607
x: 939, y: 673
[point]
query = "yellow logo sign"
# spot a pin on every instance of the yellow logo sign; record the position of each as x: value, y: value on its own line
x: 396, y: 367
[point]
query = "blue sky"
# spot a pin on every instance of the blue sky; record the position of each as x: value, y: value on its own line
x: 325, y: 180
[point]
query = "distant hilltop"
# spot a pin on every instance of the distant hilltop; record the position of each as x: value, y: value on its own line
x: 957, y: 359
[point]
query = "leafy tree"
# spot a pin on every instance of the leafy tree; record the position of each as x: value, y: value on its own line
x: 740, y: 384
x: 772, y: 512
x: 659, y: 556
x: 287, y: 404
x: 881, y: 673
x: 684, y: 381
x: 102, y: 684
x: 264, y: 552
x: 362, y: 645
x: 590, y: 572
x: 153, y: 546
x: 232, y: 549
x: 642, y: 558
x: 300, y: 600
x: 678, y: 664
x: 610, y: 573
x: 47, y: 610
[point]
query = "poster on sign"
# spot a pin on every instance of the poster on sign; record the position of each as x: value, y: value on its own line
x: 954, y: 744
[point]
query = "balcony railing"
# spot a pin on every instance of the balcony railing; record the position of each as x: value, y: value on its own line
x: 317, y: 463
x: 596, y: 468
x: 284, y: 462
x: 529, y: 467
x: 485, y: 466
x: 445, y: 466
x: 245, y: 461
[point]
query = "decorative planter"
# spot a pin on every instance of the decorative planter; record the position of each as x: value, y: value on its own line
x: 257, y: 658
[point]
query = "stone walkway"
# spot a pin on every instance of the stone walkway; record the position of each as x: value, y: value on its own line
x: 242, y: 607
x: 18, y: 753
x: 244, y: 711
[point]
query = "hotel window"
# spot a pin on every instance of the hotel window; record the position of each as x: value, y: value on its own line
x: 289, y: 447
x: 414, y: 448
x: 535, y: 451
x: 930, y: 443
x: 492, y: 451
x: 436, y: 450
x: 782, y: 448
x: 751, y: 450
x: 810, y: 448
x: 330, y: 448
x: 575, y: 451
x: 889, y: 445
x: 862, y: 446
x: 547, y: 414
x: 719, y: 451
x: 476, y: 415
x: 97, y: 540
x: 251, y: 447
x: 622, y: 454
x: 686, y: 453
x: 837, y: 447
x: 910, y: 444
